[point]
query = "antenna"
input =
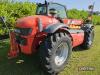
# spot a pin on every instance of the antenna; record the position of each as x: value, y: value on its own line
x: 93, y: 5
x: 46, y: 2
x: 91, y: 8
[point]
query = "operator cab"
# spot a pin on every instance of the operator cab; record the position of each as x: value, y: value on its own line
x: 53, y: 9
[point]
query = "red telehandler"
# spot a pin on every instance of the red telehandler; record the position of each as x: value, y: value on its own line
x: 52, y: 35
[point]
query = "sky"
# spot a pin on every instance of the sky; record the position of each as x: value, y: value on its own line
x: 78, y: 4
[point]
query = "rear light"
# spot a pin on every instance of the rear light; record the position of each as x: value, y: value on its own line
x: 23, y: 31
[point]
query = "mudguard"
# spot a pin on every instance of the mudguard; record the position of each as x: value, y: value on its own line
x: 87, y: 27
x: 40, y: 25
x: 54, y: 27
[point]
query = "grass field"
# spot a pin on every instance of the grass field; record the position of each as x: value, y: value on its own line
x: 87, y: 58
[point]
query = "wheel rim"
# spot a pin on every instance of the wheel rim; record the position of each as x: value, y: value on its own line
x: 61, y: 54
x: 91, y: 38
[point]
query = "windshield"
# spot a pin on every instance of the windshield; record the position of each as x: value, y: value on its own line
x: 41, y: 10
x: 60, y: 9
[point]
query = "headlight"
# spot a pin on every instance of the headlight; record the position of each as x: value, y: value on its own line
x: 23, y: 31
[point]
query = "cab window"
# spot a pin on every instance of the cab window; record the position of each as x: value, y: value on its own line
x: 61, y: 11
x: 41, y: 10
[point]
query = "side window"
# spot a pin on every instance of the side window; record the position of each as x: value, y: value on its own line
x: 60, y: 10
x: 41, y: 10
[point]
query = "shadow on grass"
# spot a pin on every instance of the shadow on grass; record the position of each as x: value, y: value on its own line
x: 30, y: 66
x: 78, y: 48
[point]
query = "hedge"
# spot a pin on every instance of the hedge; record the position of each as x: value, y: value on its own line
x: 13, y: 11
x: 81, y: 14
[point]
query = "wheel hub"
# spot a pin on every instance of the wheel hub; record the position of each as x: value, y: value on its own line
x: 61, y: 54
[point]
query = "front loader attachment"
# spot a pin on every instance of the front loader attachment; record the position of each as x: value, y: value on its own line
x: 14, y: 49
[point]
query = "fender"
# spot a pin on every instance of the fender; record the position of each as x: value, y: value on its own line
x: 88, y: 27
x: 53, y: 28
x: 40, y: 25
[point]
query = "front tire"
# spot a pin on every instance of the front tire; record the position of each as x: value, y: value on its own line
x: 88, y: 40
x: 55, y: 52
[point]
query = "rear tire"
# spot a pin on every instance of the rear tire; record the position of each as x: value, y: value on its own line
x: 55, y: 52
x: 89, y: 37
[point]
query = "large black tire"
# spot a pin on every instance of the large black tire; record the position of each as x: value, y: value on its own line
x: 88, y: 39
x: 57, y: 44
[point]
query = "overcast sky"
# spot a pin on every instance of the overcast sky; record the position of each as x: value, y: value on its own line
x: 79, y: 4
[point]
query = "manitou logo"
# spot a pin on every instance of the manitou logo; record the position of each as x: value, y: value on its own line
x: 75, y: 22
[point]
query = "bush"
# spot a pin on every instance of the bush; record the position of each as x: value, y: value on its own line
x: 96, y: 20
x: 81, y: 14
x: 76, y: 14
x: 15, y: 10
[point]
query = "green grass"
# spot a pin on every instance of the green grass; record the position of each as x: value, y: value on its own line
x: 90, y: 58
